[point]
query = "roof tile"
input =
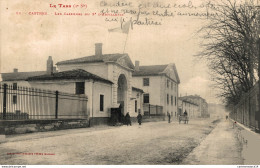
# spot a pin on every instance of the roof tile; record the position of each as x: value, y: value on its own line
x: 71, y: 74
x: 150, y: 70
x: 93, y: 58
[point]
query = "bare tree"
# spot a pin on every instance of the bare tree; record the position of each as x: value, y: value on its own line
x: 230, y: 48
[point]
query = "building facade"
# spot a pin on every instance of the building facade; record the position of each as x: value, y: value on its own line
x: 105, y: 78
x: 160, y: 84
x: 202, y: 104
x: 190, y: 107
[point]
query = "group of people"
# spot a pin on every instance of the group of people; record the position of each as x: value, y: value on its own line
x: 140, y: 117
x: 128, y: 119
x: 169, y: 115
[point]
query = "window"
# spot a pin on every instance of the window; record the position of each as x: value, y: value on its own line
x: 136, y: 106
x: 167, y: 99
x: 175, y: 101
x: 171, y: 100
x: 168, y: 83
x: 101, y: 103
x: 146, y: 98
x: 80, y: 88
x: 171, y: 85
x: 146, y: 82
x: 14, y: 99
x: 14, y: 86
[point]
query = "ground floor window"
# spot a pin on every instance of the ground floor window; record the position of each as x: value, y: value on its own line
x: 101, y: 105
x: 14, y: 99
x: 146, y: 98
x: 135, y: 105
x: 14, y: 86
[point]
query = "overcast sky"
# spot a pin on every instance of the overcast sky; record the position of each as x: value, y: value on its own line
x: 28, y: 40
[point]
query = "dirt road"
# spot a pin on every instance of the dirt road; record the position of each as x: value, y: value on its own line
x: 153, y: 143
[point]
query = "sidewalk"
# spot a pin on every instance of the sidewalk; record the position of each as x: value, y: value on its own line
x: 220, y: 147
x: 251, y: 144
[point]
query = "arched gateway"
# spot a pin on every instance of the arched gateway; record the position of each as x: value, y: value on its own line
x: 122, y: 93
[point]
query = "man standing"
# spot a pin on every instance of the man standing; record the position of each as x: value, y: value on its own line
x: 169, y: 117
x: 128, y: 119
x: 139, y: 118
x: 185, y: 113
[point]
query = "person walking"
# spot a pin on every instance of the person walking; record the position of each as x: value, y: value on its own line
x: 128, y: 119
x: 169, y: 117
x: 185, y: 114
x: 139, y: 118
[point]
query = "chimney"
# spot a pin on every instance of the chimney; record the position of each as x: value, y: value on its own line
x: 98, y: 49
x: 15, y: 70
x: 137, y: 65
x: 49, y: 66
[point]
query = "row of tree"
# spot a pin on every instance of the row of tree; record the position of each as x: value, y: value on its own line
x: 230, y: 47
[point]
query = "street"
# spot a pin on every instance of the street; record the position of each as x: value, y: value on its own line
x: 153, y: 143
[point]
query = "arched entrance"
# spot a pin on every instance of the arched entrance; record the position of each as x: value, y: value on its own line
x: 122, y: 93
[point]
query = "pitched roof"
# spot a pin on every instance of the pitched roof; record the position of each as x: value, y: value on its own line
x: 187, y: 101
x: 71, y: 74
x: 93, y: 58
x: 150, y: 70
x: 137, y: 89
x: 17, y: 76
x: 193, y: 97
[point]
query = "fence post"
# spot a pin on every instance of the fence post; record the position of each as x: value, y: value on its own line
x: 56, y: 105
x: 4, y: 102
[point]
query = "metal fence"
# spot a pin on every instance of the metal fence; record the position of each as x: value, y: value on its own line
x: 153, y: 110
x: 246, y: 111
x: 24, y: 103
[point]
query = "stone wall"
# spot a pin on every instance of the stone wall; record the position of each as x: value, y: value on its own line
x: 30, y: 126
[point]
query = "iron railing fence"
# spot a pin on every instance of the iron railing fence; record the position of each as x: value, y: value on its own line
x: 153, y: 110
x: 246, y: 111
x: 24, y: 103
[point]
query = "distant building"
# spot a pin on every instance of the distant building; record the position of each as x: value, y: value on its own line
x: 160, y: 85
x: 202, y: 104
x: 189, y: 106
x: 217, y: 110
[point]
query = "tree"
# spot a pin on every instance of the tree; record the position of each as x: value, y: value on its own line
x: 230, y: 48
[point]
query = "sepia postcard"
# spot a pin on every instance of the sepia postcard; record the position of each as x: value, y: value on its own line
x: 129, y: 82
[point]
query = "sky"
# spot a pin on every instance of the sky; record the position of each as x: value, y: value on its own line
x: 27, y: 40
